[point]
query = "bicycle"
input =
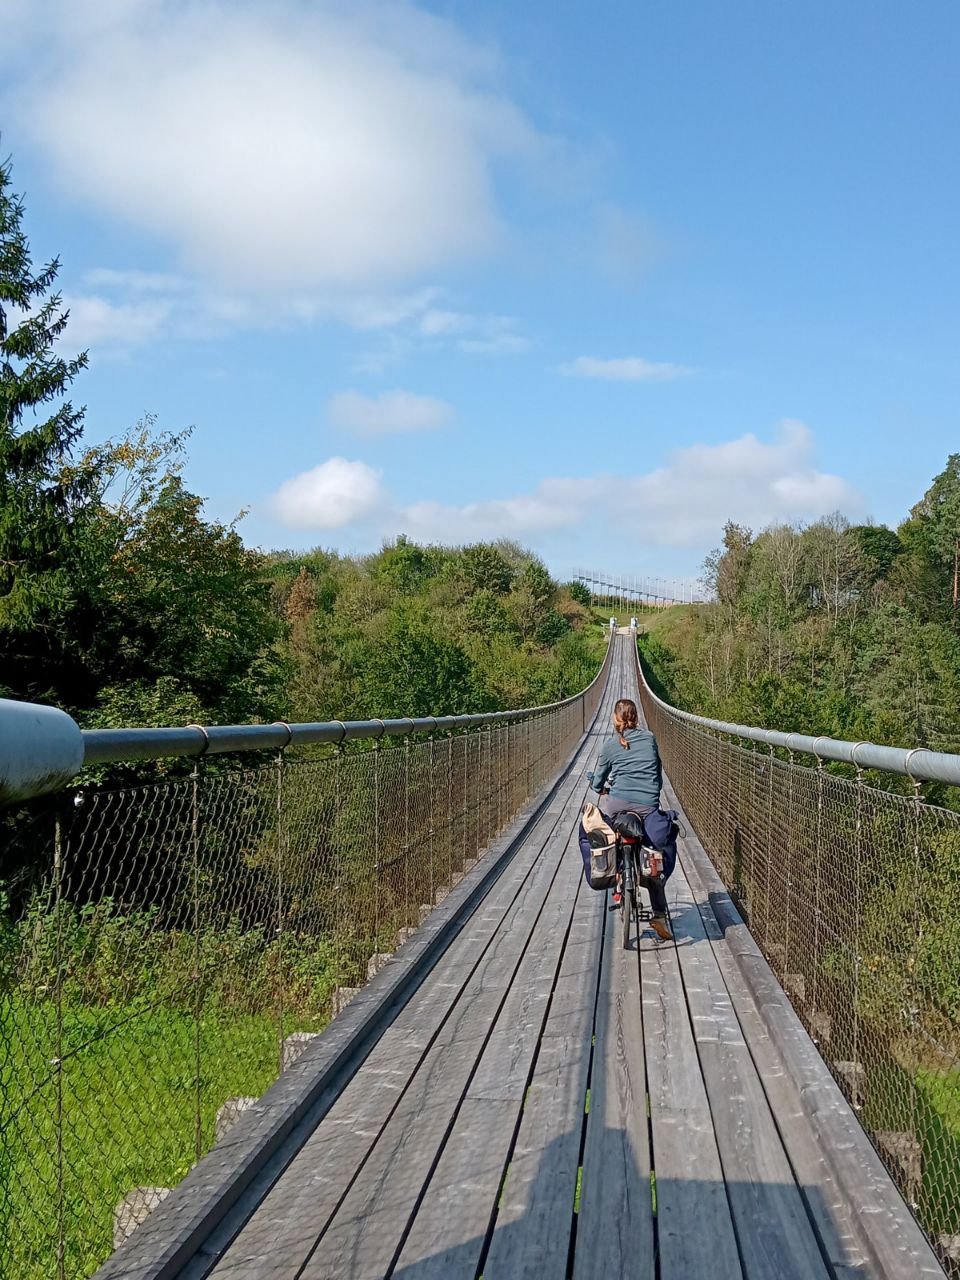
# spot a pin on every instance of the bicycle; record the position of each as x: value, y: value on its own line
x: 639, y: 864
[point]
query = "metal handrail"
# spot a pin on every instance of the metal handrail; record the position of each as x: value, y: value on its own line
x: 54, y: 756
x: 916, y: 763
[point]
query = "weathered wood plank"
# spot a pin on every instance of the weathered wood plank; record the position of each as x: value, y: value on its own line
x: 694, y: 1228
x: 374, y: 1218
x: 284, y: 1229
x: 835, y: 1219
x: 535, y: 1214
x: 614, y: 1227
x: 488, y: 1118
x: 285, y: 1226
x: 776, y: 1238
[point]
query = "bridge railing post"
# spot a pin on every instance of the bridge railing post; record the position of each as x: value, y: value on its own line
x: 196, y: 839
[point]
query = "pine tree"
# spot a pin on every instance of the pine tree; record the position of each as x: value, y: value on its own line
x: 41, y: 494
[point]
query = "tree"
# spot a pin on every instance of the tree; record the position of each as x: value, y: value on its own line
x: 725, y: 569
x: 403, y: 565
x: 42, y: 500
x: 580, y: 592
x: 184, y: 599
x: 878, y: 547
x: 835, y: 567
x: 937, y: 521
x: 414, y: 668
x: 485, y: 568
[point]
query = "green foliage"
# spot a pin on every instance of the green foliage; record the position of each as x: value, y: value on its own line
x: 100, y: 956
x: 426, y: 630
x: 41, y: 505
x: 117, y: 597
x: 486, y: 568
x: 580, y: 592
x: 878, y: 547
x: 412, y: 667
x: 153, y: 1144
x: 830, y: 629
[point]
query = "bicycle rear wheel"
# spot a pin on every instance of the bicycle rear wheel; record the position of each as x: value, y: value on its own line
x: 628, y: 907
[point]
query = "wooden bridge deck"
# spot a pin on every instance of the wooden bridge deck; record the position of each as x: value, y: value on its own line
x: 547, y: 1104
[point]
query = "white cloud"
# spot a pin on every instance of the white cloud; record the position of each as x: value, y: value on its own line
x: 495, y: 335
x: 682, y: 504
x: 389, y: 413
x: 334, y: 494
x: 385, y: 311
x: 97, y: 322
x: 286, y: 147
x: 476, y: 333
x: 546, y: 510
x: 134, y: 281
x: 437, y: 323
x: 413, y: 323
x: 624, y: 369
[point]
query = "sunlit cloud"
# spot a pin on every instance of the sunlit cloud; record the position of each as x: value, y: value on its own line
x: 624, y: 369
x: 389, y: 413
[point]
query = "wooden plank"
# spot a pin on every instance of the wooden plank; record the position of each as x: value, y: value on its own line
x: 294, y: 1212
x: 835, y: 1219
x: 522, y: 1032
x: 372, y: 1221
x: 892, y: 1236
x: 695, y: 1233
x: 278, y: 1234
x: 694, y: 1227
x: 615, y: 1232
x: 777, y: 1241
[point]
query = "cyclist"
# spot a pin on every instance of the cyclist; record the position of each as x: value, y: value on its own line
x: 629, y: 776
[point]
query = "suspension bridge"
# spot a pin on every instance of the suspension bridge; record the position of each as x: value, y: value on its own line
x: 503, y: 1090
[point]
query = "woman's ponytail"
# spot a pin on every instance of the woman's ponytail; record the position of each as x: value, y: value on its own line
x: 625, y: 717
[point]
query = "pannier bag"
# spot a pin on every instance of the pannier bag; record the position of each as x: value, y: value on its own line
x: 602, y: 841
x: 656, y: 834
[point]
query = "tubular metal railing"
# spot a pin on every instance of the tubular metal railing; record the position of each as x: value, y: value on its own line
x: 853, y: 893
x: 167, y: 947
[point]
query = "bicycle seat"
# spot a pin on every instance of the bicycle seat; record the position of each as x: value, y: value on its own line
x: 628, y: 826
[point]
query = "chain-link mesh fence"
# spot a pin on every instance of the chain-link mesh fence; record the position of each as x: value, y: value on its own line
x: 166, y: 948
x: 853, y: 893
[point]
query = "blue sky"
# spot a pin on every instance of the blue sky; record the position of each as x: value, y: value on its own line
x: 593, y: 277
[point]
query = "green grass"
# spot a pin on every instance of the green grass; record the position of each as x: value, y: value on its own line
x: 131, y: 1090
x: 942, y: 1091
x: 925, y: 1102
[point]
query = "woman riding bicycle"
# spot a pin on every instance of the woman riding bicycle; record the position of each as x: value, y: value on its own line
x: 629, y: 776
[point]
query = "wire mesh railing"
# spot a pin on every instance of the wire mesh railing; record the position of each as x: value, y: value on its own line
x: 853, y: 893
x: 168, y: 947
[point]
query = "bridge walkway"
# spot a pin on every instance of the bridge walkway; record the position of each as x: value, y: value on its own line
x: 547, y: 1104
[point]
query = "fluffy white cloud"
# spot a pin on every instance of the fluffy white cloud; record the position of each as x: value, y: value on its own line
x: 682, y: 504
x: 624, y: 369
x: 98, y: 323
x: 389, y: 413
x: 285, y: 147
x: 478, y: 333
x: 334, y: 494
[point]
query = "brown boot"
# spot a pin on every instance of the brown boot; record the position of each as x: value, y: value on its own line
x: 661, y: 928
